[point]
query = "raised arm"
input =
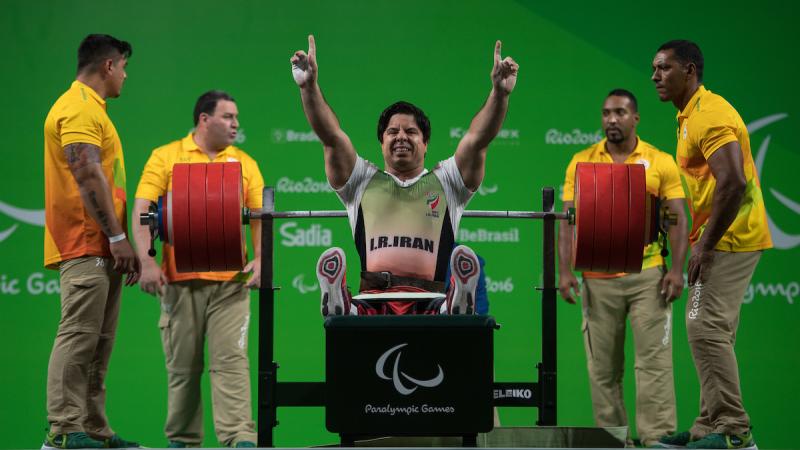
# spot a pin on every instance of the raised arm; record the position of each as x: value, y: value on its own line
x: 340, y: 156
x: 471, y: 152
x: 84, y: 163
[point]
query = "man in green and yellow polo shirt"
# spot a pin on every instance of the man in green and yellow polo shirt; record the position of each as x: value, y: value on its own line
x: 208, y: 306
x: 646, y: 298
x: 85, y: 240
x: 729, y: 232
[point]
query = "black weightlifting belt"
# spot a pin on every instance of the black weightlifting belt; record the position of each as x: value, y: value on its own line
x: 386, y: 280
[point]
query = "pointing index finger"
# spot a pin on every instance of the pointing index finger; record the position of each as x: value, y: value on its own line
x: 312, y: 46
x: 497, y: 46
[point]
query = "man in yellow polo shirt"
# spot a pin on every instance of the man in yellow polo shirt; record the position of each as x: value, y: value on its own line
x: 729, y: 232
x: 646, y: 297
x: 85, y: 225
x: 199, y: 305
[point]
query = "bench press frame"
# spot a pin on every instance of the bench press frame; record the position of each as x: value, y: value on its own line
x: 273, y: 393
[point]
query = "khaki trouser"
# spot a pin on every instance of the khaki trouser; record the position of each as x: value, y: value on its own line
x: 712, y: 317
x: 190, y: 312
x: 76, y: 392
x: 606, y: 305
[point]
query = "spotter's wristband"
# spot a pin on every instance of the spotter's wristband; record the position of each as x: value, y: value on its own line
x: 117, y: 238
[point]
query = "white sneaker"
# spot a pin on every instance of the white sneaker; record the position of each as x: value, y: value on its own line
x: 331, y: 274
x: 465, y: 270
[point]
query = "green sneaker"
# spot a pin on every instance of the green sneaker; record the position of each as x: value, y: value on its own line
x: 245, y: 444
x: 78, y: 439
x: 675, y: 440
x: 719, y: 440
x: 179, y: 444
x: 116, y: 441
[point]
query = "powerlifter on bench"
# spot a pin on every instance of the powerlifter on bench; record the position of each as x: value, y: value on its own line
x: 397, y: 383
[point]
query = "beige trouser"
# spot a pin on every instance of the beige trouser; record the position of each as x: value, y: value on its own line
x: 190, y: 312
x: 606, y: 305
x: 712, y: 317
x: 76, y: 391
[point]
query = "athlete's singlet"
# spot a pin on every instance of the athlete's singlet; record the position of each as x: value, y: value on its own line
x: 405, y: 227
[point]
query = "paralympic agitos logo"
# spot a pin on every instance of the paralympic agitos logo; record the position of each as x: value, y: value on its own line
x: 780, y: 239
x: 403, y: 383
x: 29, y: 216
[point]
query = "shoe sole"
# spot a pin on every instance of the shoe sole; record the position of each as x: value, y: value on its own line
x: 330, y: 272
x: 48, y: 447
x: 465, y: 268
x: 751, y: 447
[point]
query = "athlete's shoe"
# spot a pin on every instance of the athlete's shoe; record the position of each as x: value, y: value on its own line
x: 719, y: 440
x: 675, y: 440
x: 179, y: 444
x: 331, y: 275
x: 70, y: 440
x: 116, y: 441
x: 465, y: 270
x: 245, y: 444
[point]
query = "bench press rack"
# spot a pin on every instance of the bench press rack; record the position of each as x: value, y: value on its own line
x: 273, y: 393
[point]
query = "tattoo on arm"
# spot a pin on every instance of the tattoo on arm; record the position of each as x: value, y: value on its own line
x: 102, y: 217
x: 80, y: 154
x: 84, y: 162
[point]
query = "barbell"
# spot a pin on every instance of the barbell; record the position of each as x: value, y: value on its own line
x: 203, y: 217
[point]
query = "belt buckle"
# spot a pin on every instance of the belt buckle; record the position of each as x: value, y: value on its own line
x: 387, y: 277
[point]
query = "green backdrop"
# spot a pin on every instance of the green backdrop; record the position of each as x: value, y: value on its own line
x: 437, y: 54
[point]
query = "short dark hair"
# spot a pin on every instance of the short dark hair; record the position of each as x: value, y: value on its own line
x: 404, y: 108
x: 207, y: 103
x: 95, y: 48
x: 686, y: 52
x: 627, y: 94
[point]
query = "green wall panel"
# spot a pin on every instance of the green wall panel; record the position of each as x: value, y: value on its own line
x: 437, y: 54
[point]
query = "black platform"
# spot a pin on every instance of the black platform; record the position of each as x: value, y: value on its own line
x: 409, y: 375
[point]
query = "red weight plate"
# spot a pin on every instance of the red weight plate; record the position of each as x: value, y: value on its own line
x: 214, y: 226
x: 637, y: 218
x: 232, y: 215
x: 197, y: 217
x: 602, y: 217
x: 168, y: 218
x: 181, y: 243
x: 583, y: 231
x: 619, y: 218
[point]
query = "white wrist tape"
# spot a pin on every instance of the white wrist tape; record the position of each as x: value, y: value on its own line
x: 298, y: 74
x: 117, y: 238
